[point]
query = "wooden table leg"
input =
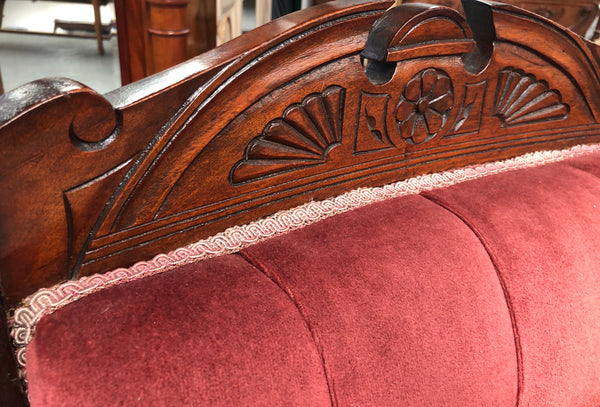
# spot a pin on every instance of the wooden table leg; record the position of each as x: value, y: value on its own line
x: 263, y: 12
x: 98, y: 26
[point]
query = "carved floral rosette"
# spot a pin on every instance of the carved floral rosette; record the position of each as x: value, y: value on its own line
x: 424, y: 106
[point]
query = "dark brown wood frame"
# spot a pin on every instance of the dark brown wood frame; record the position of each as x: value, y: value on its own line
x: 304, y: 108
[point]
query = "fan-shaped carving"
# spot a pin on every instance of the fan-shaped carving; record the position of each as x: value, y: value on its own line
x: 301, y: 137
x: 522, y: 99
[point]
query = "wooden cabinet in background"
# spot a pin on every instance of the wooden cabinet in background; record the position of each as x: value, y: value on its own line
x: 156, y: 34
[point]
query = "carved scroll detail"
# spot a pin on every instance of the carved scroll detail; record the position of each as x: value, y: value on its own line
x: 424, y: 106
x: 302, y: 137
x: 523, y: 99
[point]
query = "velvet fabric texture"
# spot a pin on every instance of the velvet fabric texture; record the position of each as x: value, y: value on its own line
x: 404, y: 304
x: 486, y: 293
x: 215, y: 333
x: 540, y: 227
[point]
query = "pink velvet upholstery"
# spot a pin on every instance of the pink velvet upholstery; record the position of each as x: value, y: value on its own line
x: 485, y: 293
x: 540, y: 227
x: 384, y: 288
x: 211, y: 333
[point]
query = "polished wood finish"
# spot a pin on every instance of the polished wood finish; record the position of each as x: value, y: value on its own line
x: 201, y: 17
x: 306, y: 107
x: 130, y: 37
x: 156, y: 34
x: 167, y: 33
x: 153, y: 35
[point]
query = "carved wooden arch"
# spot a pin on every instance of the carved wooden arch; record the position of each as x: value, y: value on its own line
x: 321, y: 127
x: 67, y: 153
x: 318, y: 110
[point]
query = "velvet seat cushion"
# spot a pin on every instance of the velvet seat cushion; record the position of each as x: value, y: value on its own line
x: 482, y: 293
x: 404, y: 303
x: 541, y: 227
x: 206, y: 334
x: 397, y: 302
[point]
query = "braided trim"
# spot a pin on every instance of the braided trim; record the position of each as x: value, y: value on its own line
x: 47, y: 300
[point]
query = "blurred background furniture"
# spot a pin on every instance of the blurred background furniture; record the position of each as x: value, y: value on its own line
x: 283, y: 7
x: 229, y: 20
x: 263, y: 11
x: 97, y: 21
x: 72, y: 28
x: 157, y: 34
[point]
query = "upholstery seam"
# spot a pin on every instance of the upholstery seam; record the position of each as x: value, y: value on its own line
x: 45, y: 301
x: 315, y: 337
x: 507, y: 298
